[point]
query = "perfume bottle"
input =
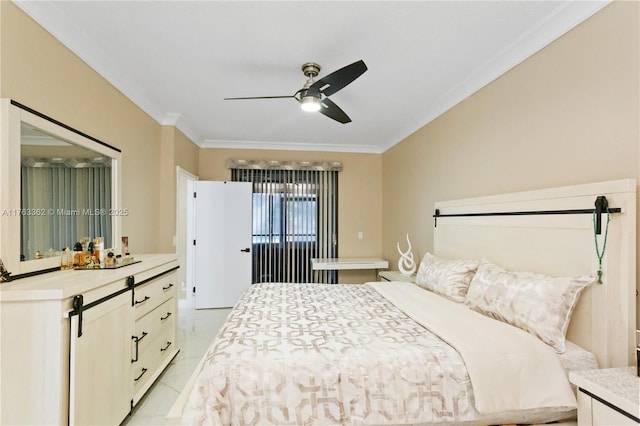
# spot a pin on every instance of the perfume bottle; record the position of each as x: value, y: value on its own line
x: 125, y: 246
x: 78, y: 255
x: 66, y: 259
x: 110, y: 260
x: 92, y: 260
x: 98, y: 249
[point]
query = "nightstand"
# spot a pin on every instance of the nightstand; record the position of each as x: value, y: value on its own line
x: 396, y: 276
x: 607, y: 397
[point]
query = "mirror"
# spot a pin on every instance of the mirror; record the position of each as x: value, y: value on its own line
x: 65, y: 194
x: 59, y: 186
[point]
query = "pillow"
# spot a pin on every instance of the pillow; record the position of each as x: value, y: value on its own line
x: 539, y: 304
x: 449, y: 278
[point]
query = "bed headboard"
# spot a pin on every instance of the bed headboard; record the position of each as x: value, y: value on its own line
x: 604, y: 321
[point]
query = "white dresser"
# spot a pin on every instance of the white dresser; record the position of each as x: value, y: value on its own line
x: 607, y: 397
x: 82, y: 347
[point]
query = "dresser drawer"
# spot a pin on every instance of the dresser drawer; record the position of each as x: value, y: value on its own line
x: 158, y: 329
x: 152, y: 325
x: 603, y: 415
x: 153, y: 293
x: 151, y: 358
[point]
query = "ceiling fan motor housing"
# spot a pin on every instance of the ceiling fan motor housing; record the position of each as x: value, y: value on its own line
x: 310, y: 96
x: 311, y: 69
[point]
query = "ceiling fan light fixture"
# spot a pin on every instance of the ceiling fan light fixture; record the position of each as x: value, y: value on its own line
x: 314, y: 95
x: 310, y: 104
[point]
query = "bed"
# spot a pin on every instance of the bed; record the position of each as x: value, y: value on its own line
x: 438, y: 351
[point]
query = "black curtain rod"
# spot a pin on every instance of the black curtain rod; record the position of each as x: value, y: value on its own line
x: 601, y: 206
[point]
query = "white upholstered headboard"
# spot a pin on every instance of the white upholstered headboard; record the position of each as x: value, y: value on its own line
x: 560, y: 244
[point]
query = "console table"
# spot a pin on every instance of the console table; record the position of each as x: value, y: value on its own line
x: 347, y: 263
x: 341, y: 263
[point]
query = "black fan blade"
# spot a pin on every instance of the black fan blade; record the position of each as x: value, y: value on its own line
x: 332, y: 110
x: 335, y: 81
x: 260, y: 97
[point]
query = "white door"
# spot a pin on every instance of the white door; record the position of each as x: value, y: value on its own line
x: 190, y: 262
x: 223, y: 230
x: 184, y: 231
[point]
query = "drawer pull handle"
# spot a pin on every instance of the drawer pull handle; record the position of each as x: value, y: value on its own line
x: 137, y: 339
x: 144, y: 370
x: 166, y: 347
x: 143, y: 300
x: 164, y: 318
x: 167, y: 287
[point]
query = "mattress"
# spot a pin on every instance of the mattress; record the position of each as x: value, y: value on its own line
x: 337, y: 354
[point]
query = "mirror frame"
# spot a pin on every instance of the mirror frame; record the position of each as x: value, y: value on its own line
x: 12, y: 114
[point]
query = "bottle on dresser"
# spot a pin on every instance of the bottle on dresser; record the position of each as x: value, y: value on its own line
x: 98, y: 249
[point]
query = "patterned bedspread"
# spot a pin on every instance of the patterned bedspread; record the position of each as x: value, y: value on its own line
x: 309, y: 354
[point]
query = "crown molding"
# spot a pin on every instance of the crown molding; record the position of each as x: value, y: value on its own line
x: 290, y: 146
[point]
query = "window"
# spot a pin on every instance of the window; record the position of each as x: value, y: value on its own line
x: 300, y: 218
x: 278, y: 218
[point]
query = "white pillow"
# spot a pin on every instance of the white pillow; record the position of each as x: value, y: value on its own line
x: 449, y: 278
x: 539, y: 304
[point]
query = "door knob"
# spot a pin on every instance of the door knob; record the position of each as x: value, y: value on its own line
x: 247, y: 250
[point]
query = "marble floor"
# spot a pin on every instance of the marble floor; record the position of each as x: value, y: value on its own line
x: 196, y: 330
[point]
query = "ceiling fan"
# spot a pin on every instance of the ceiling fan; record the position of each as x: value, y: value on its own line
x: 314, y: 95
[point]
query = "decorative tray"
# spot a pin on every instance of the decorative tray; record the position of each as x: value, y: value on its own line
x: 100, y: 267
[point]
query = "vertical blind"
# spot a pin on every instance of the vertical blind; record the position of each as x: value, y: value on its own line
x: 295, y: 214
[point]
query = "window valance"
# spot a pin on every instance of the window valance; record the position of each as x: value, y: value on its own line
x: 324, y: 166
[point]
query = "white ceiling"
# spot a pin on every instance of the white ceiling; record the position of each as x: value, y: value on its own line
x: 177, y: 60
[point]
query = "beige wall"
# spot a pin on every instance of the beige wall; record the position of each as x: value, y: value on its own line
x: 186, y: 153
x: 568, y: 115
x: 38, y: 71
x: 359, y: 196
x: 176, y: 150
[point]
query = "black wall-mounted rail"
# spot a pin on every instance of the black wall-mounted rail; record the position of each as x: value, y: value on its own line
x: 601, y: 206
